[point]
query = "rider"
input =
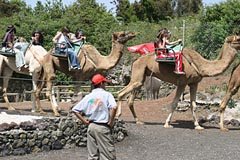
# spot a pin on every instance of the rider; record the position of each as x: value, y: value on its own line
x: 37, y: 38
x: 162, y: 41
x: 8, y: 44
x: 78, y: 39
x: 65, y: 44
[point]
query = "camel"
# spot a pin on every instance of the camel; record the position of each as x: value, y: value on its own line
x: 195, y: 67
x: 233, y: 87
x: 33, y: 57
x: 152, y: 86
x: 91, y: 62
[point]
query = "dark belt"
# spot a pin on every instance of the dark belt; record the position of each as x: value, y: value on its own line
x: 101, y: 124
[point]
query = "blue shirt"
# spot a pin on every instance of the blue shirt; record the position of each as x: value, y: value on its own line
x: 96, y: 105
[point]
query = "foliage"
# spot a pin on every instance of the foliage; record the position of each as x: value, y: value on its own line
x: 186, y: 7
x: 154, y: 10
x: 232, y: 103
x: 216, y: 23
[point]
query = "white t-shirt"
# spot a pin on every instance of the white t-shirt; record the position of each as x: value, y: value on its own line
x: 96, y: 105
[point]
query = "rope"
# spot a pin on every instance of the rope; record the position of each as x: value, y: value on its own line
x: 89, y: 59
x: 27, y: 79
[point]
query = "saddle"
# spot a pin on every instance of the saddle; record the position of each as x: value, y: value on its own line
x: 168, y: 54
x: 10, y: 52
x: 61, y: 49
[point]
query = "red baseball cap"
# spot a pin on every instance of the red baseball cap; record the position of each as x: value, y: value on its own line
x: 98, y: 78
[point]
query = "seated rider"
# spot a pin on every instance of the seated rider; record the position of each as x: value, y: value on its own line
x: 37, y: 38
x: 78, y: 40
x: 162, y: 41
x: 8, y: 44
x: 65, y: 45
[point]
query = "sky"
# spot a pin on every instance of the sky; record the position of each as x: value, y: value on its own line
x: 109, y: 5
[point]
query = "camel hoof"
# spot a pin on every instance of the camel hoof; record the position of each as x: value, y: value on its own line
x: 199, y: 128
x: 11, y: 108
x: 224, y: 129
x: 42, y: 112
x: 56, y: 114
x: 168, y: 126
x: 140, y: 122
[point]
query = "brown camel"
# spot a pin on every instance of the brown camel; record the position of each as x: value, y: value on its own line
x: 91, y: 62
x: 195, y: 67
x: 233, y: 86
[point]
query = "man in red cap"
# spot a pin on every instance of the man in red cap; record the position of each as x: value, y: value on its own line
x: 97, y: 110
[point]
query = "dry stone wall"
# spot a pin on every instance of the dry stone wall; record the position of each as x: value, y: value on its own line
x: 48, y: 134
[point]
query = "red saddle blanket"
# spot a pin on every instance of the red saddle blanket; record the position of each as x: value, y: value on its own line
x: 142, y: 48
x: 149, y: 48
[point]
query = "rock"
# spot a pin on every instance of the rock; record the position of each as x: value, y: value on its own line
x: 46, y: 148
x: 4, y: 127
x: 36, y: 149
x: 42, y: 126
x: 234, y: 122
x: 57, y: 145
x: 19, y: 151
x: 27, y: 126
x: 120, y: 136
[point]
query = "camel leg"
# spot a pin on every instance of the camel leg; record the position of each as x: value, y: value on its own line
x: 222, y: 108
x: 193, y: 92
x: 7, y: 74
x: 131, y: 106
x: 39, y: 87
x: 34, y: 83
x: 37, y: 96
x: 119, y: 110
x: 233, y: 87
x: 174, y: 104
x: 50, y: 75
x: 52, y: 99
x: 129, y: 88
x: 53, y: 102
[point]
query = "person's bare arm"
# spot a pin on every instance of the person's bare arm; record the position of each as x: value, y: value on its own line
x: 9, y: 45
x: 55, y: 39
x: 84, y: 120
x: 113, y: 112
x: 77, y: 40
x: 174, y: 42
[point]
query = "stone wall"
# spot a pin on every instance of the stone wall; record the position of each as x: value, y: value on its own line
x: 48, y: 134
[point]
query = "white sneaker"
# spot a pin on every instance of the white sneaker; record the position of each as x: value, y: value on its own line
x: 179, y: 72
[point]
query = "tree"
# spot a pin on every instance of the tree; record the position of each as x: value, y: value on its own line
x: 124, y: 11
x: 8, y: 8
x: 216, y: 23
x: 187, y: 7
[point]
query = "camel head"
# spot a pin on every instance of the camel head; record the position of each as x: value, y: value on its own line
x: 234, y: 41
x: 122, y: 37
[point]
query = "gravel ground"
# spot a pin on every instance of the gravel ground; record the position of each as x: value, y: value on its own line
x: 152, y: 141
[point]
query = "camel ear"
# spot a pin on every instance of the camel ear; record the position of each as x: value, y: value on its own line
x: 115, y: 36
x: 230, y: 39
